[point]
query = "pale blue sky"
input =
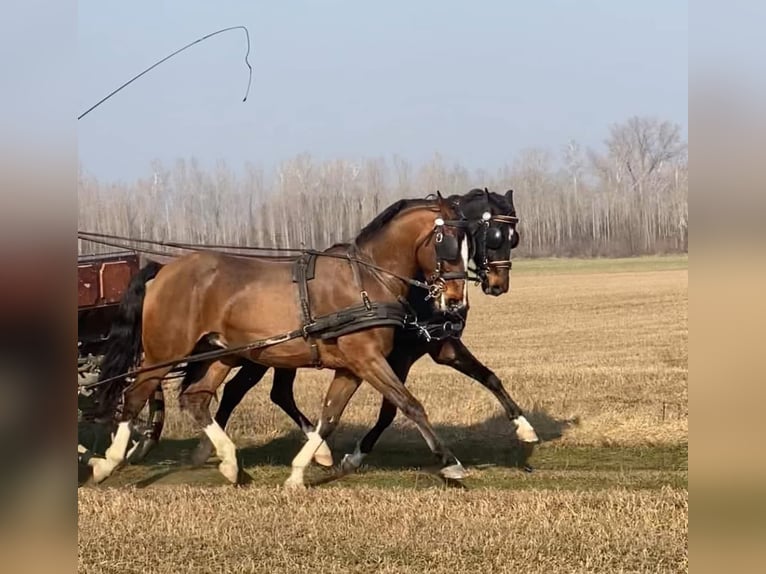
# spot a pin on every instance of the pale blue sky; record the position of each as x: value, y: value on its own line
x: 474, y: 81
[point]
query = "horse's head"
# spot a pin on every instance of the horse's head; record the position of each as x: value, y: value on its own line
x: 422, y: 238
x: 443, y: 256
x: 493, y: 234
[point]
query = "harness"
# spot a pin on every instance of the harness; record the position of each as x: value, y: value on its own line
x: 355, y: 318
x: 348, y: 320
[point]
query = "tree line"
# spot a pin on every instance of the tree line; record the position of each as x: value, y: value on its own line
x: 629, y: 199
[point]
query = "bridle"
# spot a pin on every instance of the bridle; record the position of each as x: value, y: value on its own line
x: 446, y: 249
x: 491, y: 238
x: 482, y: 239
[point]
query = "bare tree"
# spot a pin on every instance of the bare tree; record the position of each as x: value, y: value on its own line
x: 630, y: 199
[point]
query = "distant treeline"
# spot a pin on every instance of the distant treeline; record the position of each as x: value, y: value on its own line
x: 631, y: 199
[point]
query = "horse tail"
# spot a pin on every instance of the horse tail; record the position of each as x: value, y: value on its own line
x: 124, y: 346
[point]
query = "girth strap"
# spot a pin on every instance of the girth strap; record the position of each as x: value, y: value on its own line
x: 302, y: 273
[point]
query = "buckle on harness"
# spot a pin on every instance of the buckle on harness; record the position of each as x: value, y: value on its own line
x: 366, y: 301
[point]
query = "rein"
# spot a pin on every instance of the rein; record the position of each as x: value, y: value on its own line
x: 105, y: 239
x: 346, y: 320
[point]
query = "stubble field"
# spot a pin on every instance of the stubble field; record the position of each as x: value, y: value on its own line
x: 595, y: 351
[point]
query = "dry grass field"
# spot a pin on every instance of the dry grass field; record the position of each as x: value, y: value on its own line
x: 594, y: 350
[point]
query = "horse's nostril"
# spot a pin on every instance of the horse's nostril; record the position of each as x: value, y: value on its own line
x: 496, y: 290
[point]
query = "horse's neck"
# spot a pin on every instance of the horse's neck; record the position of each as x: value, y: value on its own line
x: 394, y: 249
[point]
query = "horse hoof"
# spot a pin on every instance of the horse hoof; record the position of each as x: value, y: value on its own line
x: 323, y: 456
x: 524, y: 431
x: 457, y: 484
x: 200, y: 454
x: 243, y: 478
x: 527, y: 468
x: 295, y: 480
x: 230, y: 471
x: 453, y: 472
x: 347, y: 464
x: 294, y: 484
x: 352, y: 462
x: 101, y: 469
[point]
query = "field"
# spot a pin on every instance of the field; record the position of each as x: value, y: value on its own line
x: 594, y: 350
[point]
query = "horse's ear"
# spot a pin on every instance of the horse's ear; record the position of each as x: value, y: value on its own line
x: 444, y: 205
x: 509, y: 196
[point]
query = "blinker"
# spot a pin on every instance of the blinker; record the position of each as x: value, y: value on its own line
x: 494, y: 238
x: 448, y: 248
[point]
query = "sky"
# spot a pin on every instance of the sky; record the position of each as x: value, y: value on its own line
x: 476, y: 82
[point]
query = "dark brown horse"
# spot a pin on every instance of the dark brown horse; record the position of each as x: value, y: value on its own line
x: 493, y: 233
x: 211, y: 300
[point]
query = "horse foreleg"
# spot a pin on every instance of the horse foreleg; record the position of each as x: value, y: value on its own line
x: 454, y: 353
x: 342, y: 388
x: 376, y: 371
x: 401, y: 360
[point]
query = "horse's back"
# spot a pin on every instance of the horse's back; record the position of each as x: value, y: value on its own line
x: 207, y: 290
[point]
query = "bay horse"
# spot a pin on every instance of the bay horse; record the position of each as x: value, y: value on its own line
x: 493, y: 234
x: 219, y: 301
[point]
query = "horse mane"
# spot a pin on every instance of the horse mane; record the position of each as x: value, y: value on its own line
x: 497, y: 199
x: 385, y: 216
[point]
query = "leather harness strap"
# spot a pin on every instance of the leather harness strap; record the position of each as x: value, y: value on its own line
x: 303, y: 272
x: 353, y: 261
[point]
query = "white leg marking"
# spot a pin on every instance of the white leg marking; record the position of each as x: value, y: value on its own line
x: 116, y: 450
x: 524, y: 430
x: 115, y: 454
x: 303, y: 458
x: 464, y: 254
x: 353, y: 461
x: 93, y: 461
x: 225, y: 450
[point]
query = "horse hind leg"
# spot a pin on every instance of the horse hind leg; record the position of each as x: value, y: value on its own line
x: 342, y: 388
x: 234, y: 391
x: 282, y: 396
x: 195, y: 399
x: 134, y: 399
